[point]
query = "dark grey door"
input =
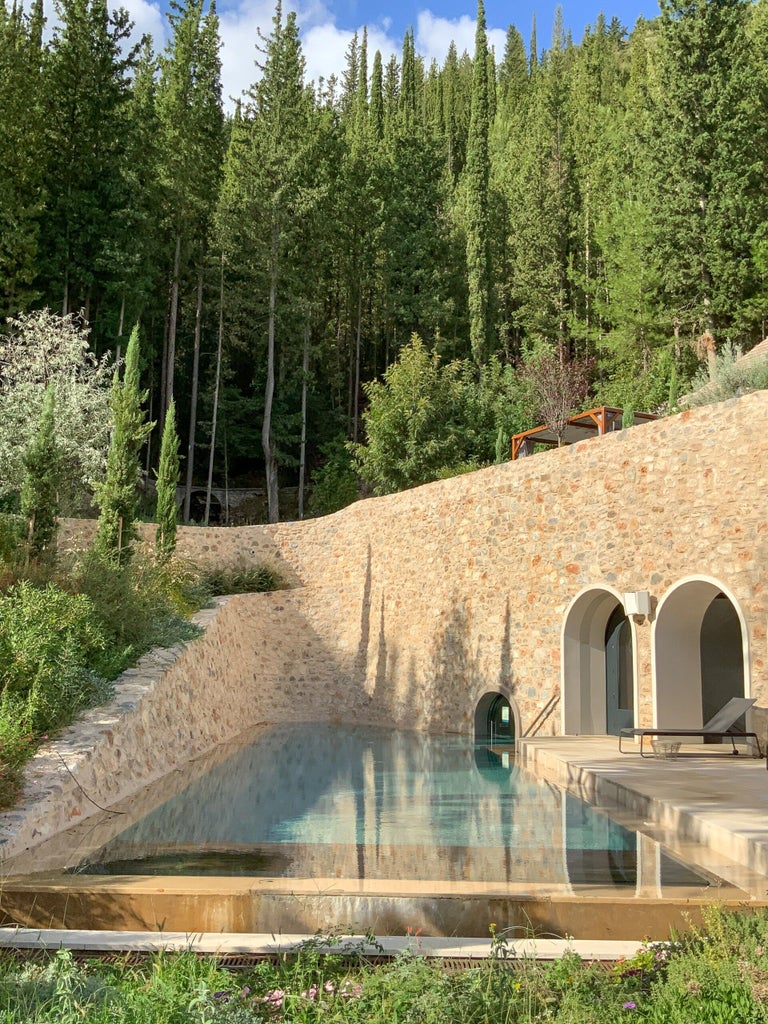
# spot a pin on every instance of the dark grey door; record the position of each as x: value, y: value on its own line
x: 619, y: 675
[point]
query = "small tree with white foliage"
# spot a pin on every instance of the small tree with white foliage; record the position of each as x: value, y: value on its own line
x: 39, y: 350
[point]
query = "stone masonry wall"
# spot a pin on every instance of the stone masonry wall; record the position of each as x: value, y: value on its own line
x: 434, y: 595
x: 407, y: 608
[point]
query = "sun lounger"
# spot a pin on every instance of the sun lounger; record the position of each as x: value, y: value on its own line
x: 720, y: 726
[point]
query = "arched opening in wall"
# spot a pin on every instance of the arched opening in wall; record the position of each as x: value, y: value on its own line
x: 598, y: 665
x: 197, y: 508
x: 494, y: 720
x: 701, y: 654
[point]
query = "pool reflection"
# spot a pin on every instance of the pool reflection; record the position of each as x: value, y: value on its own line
x: 326, y: 801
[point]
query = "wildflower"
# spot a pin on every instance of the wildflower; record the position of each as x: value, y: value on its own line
x: 350, y: 991
x: 630, y: 1006
x: 274, y: 999
x: 329, y: 986
x: 310, y: 993
x: 222, y: 996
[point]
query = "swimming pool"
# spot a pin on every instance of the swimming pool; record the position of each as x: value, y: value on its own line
x: 311, y: 800
x: 306, y: 827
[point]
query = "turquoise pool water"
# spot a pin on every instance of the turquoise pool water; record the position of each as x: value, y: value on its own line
x: 326, y: 801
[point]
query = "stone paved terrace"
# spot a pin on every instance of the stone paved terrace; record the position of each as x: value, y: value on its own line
x: 713, y: 799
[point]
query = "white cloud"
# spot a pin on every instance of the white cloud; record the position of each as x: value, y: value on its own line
x: 434, y: 36
x: 145, y: 14
x: 325, y: 47
x: 239, y: 28
x: 147, y: 18
x: 324, y: 44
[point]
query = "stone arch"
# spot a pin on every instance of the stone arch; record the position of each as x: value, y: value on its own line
x: 583, y: 665
x: 700, y: 652
x: 197, y: 507
x: 489, y: 711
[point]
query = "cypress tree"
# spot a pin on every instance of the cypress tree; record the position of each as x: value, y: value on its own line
x: 86, y: 77
x: 709, y: 196
x: 477, y: 177
x: 40, y: 490
x: 376, y: 111
x: 408, y: 81
x: 513, y: 73
x: 264, y: 210
x: 391, y: 95
x: 167, y: 480
x: 22, y: 154
x: 117, y: 496
x: 533, y: 49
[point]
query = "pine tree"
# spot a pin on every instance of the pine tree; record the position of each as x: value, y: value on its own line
x: 479, y: 269
x: 86, y: 83
x: 167, y: 481
x: 117, y: 497
x: 263, y: 209
x: 42, y: 480
x: 709, y: 195
x: 22, y: 154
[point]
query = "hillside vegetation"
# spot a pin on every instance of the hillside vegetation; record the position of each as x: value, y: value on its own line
x: 602, y: 199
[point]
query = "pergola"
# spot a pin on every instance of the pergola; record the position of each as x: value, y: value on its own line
x: 593, y: 423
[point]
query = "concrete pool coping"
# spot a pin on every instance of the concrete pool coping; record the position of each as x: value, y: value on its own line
x: 230, y: 946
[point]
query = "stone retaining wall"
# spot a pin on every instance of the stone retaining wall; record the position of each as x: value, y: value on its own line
x: 408, y: 608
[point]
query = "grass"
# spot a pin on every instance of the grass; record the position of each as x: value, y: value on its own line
x: 714, y: 975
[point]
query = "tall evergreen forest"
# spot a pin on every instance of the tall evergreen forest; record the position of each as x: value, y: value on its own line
x: 603, y: 199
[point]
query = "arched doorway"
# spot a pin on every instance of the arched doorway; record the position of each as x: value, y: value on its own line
x: 701, y: 654
x: 598, y: 665
x: 495, y: 719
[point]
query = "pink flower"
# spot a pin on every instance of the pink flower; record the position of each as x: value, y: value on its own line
x: 274, y: 998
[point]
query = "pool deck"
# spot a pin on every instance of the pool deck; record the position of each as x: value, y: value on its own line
x: 704, y: 796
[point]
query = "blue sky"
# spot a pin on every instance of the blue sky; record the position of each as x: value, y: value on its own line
x: 327, y: 27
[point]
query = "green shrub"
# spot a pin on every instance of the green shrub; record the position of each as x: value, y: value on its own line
x: 50, y: 645
x: 218, y: 580
x: 12, y: 536
x: 139, y: 605
x: 716, y: 975
x: 335, y: 483
x: 730, y: 376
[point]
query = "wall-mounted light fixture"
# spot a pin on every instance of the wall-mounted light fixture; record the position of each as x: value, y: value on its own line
x: 637, y: 602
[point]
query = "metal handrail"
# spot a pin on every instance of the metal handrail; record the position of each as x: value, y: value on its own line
x: 543, y: 715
